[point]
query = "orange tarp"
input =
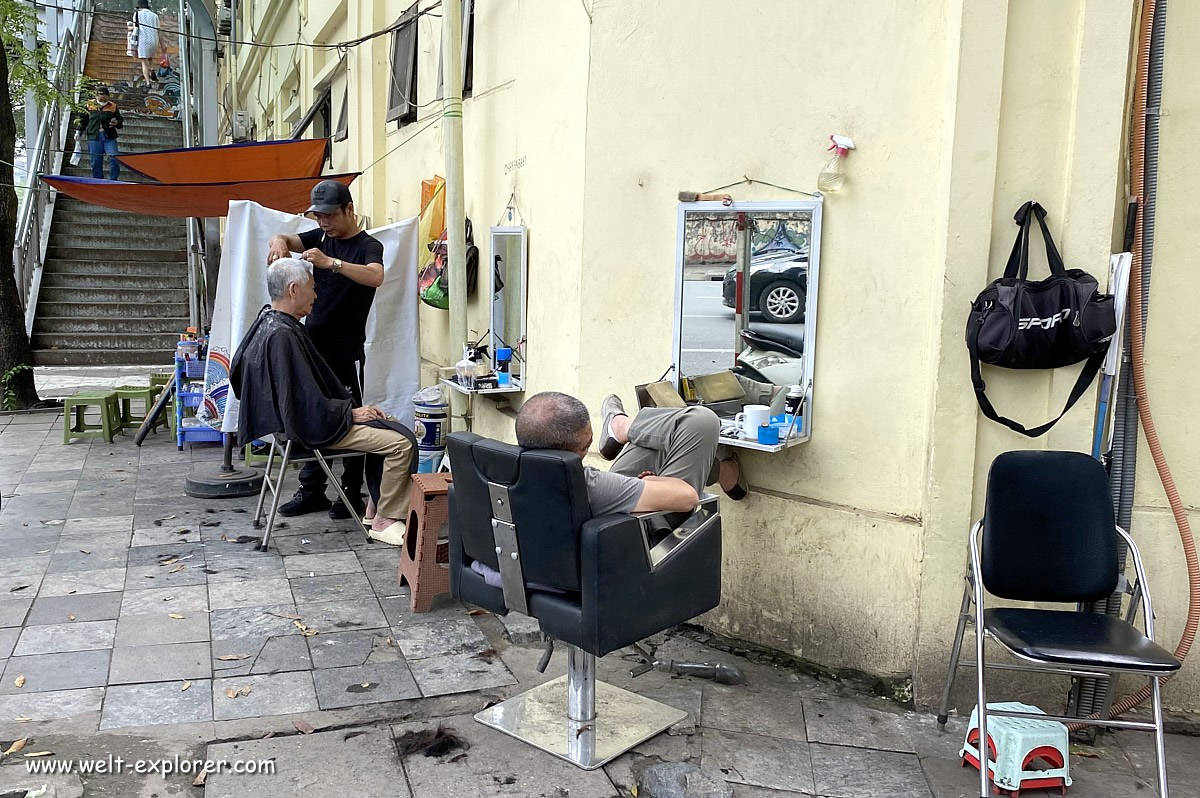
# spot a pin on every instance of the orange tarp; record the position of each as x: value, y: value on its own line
x: 255, y: 160
x: 192, y: 199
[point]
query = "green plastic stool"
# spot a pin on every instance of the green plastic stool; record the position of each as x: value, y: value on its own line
x: 75, y: 410
x: 162, y: 378
x: 251, y: 459
x: 126, y: 394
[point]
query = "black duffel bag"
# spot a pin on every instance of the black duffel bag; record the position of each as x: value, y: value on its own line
x: 1017, y: 323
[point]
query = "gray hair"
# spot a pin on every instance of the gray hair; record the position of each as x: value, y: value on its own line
x: 285, y: 272
x: 552, y: 420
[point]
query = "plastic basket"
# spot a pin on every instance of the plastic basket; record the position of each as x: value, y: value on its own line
x: 194, y: 368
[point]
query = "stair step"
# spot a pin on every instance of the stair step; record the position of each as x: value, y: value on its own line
x: 164, y: 343
x: 120, y: 356
x: 113, y: 310
x: 131, y: 282
x: 94, y: 241
x: 98, y: 295
x: 70, y: 252
x: 53, y: 325
x: 105, y: 266
x: 116, y: 226
x: 67, y: 208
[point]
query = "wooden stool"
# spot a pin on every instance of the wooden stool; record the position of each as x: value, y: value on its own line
x: 424, y: 562
x: 75, y: 409
x: 126, y: 394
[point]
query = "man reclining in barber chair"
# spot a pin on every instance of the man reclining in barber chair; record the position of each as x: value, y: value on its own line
x: 285, y: 386
x: 663, y: 457
x: 602, y: 560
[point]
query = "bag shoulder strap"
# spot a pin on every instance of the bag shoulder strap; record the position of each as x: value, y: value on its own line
x: 1086, y: 375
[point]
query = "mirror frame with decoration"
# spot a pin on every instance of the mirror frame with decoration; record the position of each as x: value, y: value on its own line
x: 812, y: 206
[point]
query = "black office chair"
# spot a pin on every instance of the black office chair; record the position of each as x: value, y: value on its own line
x: 1049, y: 536
x: 595, y: 584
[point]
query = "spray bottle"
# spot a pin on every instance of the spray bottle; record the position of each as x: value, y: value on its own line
x: 832, y: 176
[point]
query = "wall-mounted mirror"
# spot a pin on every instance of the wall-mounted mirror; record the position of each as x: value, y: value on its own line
x: 745, y: 315
x: 509, y: 251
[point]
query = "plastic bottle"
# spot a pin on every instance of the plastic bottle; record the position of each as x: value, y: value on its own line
x: 793, y: 404
x: 832, y: 177
x: 464, y: 370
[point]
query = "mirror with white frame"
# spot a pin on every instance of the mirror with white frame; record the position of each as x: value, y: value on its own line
x: 745, y: 313
x: 507, y: 278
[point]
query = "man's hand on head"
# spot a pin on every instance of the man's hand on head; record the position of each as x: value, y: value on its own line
x: 317, y: 258
x: 277, y: 249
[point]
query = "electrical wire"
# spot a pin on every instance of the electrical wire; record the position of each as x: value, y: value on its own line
x: 750, y: 180
x: 405, y: 19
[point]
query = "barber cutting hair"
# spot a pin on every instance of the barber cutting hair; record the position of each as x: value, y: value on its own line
x: 348, y: 267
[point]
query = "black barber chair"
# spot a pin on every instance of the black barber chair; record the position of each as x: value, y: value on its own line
x: 595, y: 584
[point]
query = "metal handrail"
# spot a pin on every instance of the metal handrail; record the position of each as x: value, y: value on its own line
x: 44, y: 156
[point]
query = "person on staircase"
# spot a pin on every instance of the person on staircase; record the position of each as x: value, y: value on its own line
x: 145, y: 27
x: 348, y: 268
x: 286, y: 386
x: 99, y: 125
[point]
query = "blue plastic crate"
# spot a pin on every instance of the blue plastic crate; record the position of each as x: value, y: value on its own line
x: 194, y: 369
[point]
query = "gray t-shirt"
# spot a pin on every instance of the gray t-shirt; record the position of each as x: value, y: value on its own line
x: 611, y: 493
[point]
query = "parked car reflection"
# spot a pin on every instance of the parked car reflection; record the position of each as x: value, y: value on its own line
x: 778, y: 279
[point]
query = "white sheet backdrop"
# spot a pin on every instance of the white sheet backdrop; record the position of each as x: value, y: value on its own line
x: 393, y: 371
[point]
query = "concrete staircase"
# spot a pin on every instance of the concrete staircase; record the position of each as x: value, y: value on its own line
x: 114, y: 285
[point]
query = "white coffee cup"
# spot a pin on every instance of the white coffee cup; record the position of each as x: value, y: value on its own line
x: 751, y: 418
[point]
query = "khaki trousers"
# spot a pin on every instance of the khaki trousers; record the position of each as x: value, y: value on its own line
x: 397, y: 453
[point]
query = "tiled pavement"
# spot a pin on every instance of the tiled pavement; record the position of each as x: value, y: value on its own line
x: 133, y: 613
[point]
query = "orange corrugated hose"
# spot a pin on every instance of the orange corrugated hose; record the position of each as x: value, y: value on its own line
x: 1137, y: 179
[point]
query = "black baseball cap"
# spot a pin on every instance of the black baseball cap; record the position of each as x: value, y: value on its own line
x: 329, y: 195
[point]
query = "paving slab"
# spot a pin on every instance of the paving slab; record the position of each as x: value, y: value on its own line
x: 758, y: 760
x: 459, y: 673
x: 98, y: 525
x: 365, y: 764
x: 8, y: 640
x: 387, y: 583
x: 242, y: 654
x: 380, y: 557
x: 495, y: 765
x: 847, y: 722
x: 36, y: 564
x: 364, y: 684
x: 440, y: 638
x: 322, y: 564
x: 181, y: 599
x: 521, y: 629
x: 340, y: 616
x: 16, y: 781
x: 191, y: 554
x: 279, y: 654
x: 164, y: 536
x: 257, y: 593
x: 83, y: 607
x: 346, y: 649
x: 103, y: 580
x: 156, y: 704
x: 741, y: 708
x: 38, y: 488
x: 625, y: 769
x: 842, y: 772
x: 338, y: 587
x: 52, y: 705
x: 399, y: 610
x: 160, y: 663
x: 48, y: 475
x: 64, y: 637
x: 325, y: 543
x: 46, y: 672
x: 160, y: 628
x: 249, y: 568
x: 86, y: 558
x: 1183, y: 752
x: 148, y: 577
x: 253, y: 622
x: 25, y: 544
x: 13, y: 611
x: 273, y: 694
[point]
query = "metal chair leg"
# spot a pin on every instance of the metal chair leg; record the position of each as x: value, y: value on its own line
x: 955, y: 653
x: 262, y: 494
x: 985, y: 787
x: 337, y: 485
x: 1160, y: 746
x: 277, y: 491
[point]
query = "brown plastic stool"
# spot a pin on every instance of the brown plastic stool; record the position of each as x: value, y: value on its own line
x: 424, y: 562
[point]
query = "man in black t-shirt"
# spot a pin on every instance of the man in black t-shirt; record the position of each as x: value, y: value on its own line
x: 348, y: 267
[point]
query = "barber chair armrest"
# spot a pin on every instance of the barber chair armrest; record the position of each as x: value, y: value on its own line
x: 630, y: 593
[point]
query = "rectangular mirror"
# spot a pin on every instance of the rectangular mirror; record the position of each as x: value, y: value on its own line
x: 507, y: 278
x: 745, y: 312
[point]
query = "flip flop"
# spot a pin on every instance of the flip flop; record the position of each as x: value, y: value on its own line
x: 741, y: 489
x: 610, y: 408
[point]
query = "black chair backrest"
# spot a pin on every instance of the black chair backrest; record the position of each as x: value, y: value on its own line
x: 1048, y: 528
x: 548, y: 501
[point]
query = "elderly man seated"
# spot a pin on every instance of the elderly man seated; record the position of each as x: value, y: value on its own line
x: 285, y: 386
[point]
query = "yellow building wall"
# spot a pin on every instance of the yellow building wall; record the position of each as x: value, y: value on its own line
x: 591, y: 116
